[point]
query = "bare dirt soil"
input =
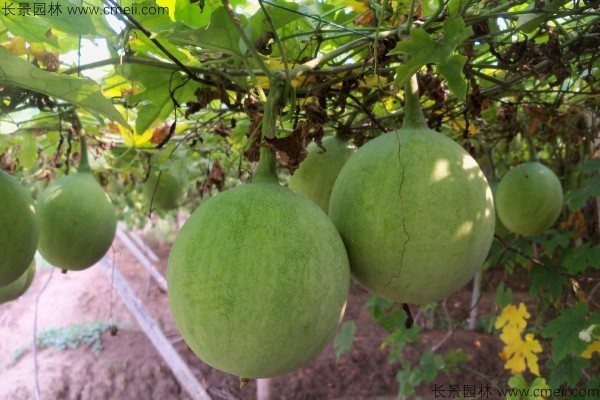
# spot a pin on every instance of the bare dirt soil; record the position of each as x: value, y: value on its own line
x: 129, y: 367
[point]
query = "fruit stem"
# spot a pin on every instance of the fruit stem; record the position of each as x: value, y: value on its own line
x: 413, y: 115
x: 84, y: 165
x: 267, y: 166
x: 531, y: 146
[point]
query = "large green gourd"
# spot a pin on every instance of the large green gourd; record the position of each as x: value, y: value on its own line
x: 15, y: 289
x: 415, y: 212
x: 258, y: 276
x: 529, y: 199
x: 18, y: 229
x: 317, y: 173
x: 77, y: 219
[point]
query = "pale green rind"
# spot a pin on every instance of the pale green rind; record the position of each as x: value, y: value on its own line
x: 18, y: 229
x: 317, y: 173
x: 500, y: 229
x: 258, y: 280
x: 416, y: 215
x: 15, y: 289
x: 165, y: 194
x: 529, y: 199
x: 77, y: 222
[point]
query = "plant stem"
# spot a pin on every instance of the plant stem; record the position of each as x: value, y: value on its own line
x: 409, y: 19
x: 413, y: 115
x: 433, y: 17
x: 531, y: 145
x: 150, y: 36
x: 317, y: 62
x: 84, y: 165
x: 267, y: 167
x: 249, y: 45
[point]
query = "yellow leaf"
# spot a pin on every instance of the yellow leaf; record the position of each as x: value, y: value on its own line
x: 532, y: 346
x: 594, y: 347
x: 516, y: 365
x: 356, y: 5
x: 371, y: 81
x: 132, y: 138
x: 521, y: 354
x: 513, y: 316
x: 16, y: 45
x: 170, y: 4
x: 510, y: 333
x: 461, y: 125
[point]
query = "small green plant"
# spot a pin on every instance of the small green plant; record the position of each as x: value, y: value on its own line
x: 70, y: 337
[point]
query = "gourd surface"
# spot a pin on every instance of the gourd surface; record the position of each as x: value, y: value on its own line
x: 77, y: 222
x: 258, y: 279
x: 17, y: 288
x: 416, y: 215
x: 317, y: 173
x: 529, y: 199
x: 18, y: 229
x: 164, y: 192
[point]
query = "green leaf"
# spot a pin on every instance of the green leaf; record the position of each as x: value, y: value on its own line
x: 429, y: 366
x: 592, y: 385
x: 344, y: 340
x: 519, y: 383
x: 399, y: 339
x: 590, y: 187
x: 82, y: 92
x: 565, y: 329
x: 568, y: 370
x: 530, y: 21
x: 504, y: 295
x: 526, y: 391
x: 454, y: 7
x: 219, y: 35
x: 410, y: 377
x: 32, y: 29
x: 591, y: 166
x: 74, y: 22
x: 454, y: 358
x: 451, y: 69
x: 386, y: 313
x: 155, y: 99
x: 557, y: 239
x: 28, y: 151
x: 577, y: 260
x: 542, y: 278
x: 423, y: 50
x: 540, y: 386
x: 258, y: 25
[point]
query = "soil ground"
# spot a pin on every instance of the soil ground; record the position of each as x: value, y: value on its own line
x: 129, y: 367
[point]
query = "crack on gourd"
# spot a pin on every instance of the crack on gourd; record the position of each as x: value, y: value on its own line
x: 397, y: 275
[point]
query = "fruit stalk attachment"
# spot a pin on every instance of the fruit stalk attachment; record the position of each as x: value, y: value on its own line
x: 413, y: 115
x: 532, y: 153
x: 267, y: 167
x: 84, y: 164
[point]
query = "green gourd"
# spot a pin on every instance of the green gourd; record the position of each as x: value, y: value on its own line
x: 19, y: 229
x: 317, y: 173
x: 415, y: 212
x: 17, y: 288
x: 77, y: 219
x: 164, y: 191
x: 258, y: 276
x: 529, y: 199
